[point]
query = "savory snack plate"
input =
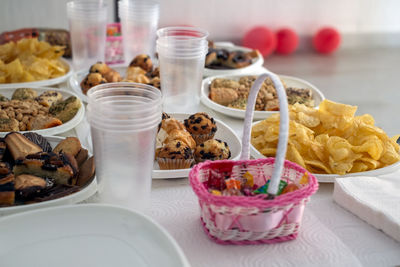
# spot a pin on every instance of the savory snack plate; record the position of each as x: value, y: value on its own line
x: 258, y: 115
x: 256, y: 63
x: 330, y: 178
x: 224, y: 132
x: 74, y: 82
x: 48, y: 82
x: 76, y: 197
x: 123, y: 237
x: 72, y: 123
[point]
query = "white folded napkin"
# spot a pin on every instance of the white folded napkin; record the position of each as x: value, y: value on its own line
x: 375, y: 200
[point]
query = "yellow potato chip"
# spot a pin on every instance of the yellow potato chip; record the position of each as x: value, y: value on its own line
x: 337, y: 109
x: 307, y: 120
x: 390, y: 154
x: 293, y: 155
x: 359, y: 166
x: 371, y: 145
x: 318, y: 166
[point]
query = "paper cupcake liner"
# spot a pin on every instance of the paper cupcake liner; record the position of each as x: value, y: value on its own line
x: 170, y: 164
x: 200, y: 138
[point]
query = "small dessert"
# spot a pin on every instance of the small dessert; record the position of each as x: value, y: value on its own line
x: 237, y: 60
x: 82, y: 156
x: 92, y: 79
x: 8, y: 125
x: 86, y: 172
x: 112, y: 76
x: 218, y: 58
x: 42, y: 122
x: 66, y: 109
x: 20, y: 146
x: 70, y: 145
x: 143, y: 61
x: 213, y: 149
x: 7, y: 193
x: 2, y: 148
x: 134, y: 71
x: 28, y: 186
x: 201, y: 126
x: 39, y: 140
x: 181, y: 135
x: 175, y: 155
x: 99, y: 67
x: 24, y: 94
x: 223, y: 95
x: 49, y: 97
x: 55, y: 166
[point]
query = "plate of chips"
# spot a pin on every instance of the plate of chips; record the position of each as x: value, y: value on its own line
x: 30, y: 62
x: 330, y: 142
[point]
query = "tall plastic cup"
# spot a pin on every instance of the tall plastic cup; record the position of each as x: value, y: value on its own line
x: 181, y: 53
x: 87, y: 25
x: 123, y: 120
x: 139, y: 21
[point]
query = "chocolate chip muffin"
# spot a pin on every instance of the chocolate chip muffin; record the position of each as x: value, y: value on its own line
x: 142, y: 61
x: 92, y: 79
x: 175, y: 155
x: 99, y: 67
x: 213, y: 149
x: 201, y: 126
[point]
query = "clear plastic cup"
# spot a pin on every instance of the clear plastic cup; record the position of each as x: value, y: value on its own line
x: 139, y: 22
x: 87, y: 26
x: 124, y: 148
x: 181, y: 55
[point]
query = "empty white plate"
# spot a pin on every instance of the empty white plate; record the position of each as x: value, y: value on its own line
x: 86, y: 235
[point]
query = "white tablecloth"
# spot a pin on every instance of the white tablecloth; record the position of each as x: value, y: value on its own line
x: 329, y: 235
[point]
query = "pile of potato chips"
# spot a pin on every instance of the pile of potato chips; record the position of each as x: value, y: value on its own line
x: 330, y: 140
x: 30, y: 60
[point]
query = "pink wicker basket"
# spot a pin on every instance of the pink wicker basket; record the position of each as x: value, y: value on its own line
x: 114, y: 46
x: 257, y: 219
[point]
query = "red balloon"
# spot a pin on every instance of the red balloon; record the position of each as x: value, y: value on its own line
x: 287, y: 41
x: 261, y: 38
x: 326, y: 40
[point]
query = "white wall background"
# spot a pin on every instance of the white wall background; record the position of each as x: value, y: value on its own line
x: 230, y: 19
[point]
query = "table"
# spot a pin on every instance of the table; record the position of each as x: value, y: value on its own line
x: 329, y: 236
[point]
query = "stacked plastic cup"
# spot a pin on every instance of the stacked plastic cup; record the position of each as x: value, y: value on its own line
x: 139, y: 21
x: 123, y: 120
x: 87, y: 26
x: 181, y: 54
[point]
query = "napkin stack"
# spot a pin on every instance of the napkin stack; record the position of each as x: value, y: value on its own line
x: 375, y: 200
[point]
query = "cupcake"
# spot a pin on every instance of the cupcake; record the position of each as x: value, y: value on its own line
x: 201, y: 126
x: 175, y: 155
x: 166, y: 126
x: 213, y: 149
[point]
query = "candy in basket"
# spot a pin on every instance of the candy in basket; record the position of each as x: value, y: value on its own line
x: 242, y: 202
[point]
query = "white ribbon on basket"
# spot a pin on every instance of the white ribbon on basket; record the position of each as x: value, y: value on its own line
x: 283, y: 127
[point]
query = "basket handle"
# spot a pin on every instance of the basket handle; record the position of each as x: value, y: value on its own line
x: 283, y: 127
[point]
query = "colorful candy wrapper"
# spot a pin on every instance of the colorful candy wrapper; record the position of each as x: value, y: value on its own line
x: 304, y: 179
x: 232, y: 192
x: 263, y: 189
x: 249, y: 179
x: 232, y: 184
x: 216, y: 192
x: 290, y: 188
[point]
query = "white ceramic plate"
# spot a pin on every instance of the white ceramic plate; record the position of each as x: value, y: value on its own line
x: 74, y: 82
x: 76, y: 197
x: 48, y: 82
x: 256, y: 64
x: 7, y: 92
x: 86, y: 235
x: 224, y: 132
x: 330, y: 178
x: 258, y: 115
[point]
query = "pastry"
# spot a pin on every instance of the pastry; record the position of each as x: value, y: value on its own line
x: 8, y: 125
x: 175, y: 155
x: 70, y: 145
x: 155, y: 82
x: 7, y: 193
x: 143, y: 61
x: 99, y: 67
x: 82, y: 156
x: 66, y: 109
x: 170, y: 124
x: 42, y: 122
x: 20, y: 146
x: 2, y: 148
x: 213, y: 149
x: 86, y: 172
x: 49, y: 97
x: 39, y: 140
x: 134, y: 71
x: 238, y: 60
x: 92, y: 79
x: 155, y: 72
x: 50, y: 165
x: 112, y: 76
x: 24, y: 93
x: 181, y: 135
x: 201, y: 126
x: 28, y: 186
x: 223, y: 95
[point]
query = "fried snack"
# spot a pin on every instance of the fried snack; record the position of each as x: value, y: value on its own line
x: 331, y: 140
x: 30, y: 60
